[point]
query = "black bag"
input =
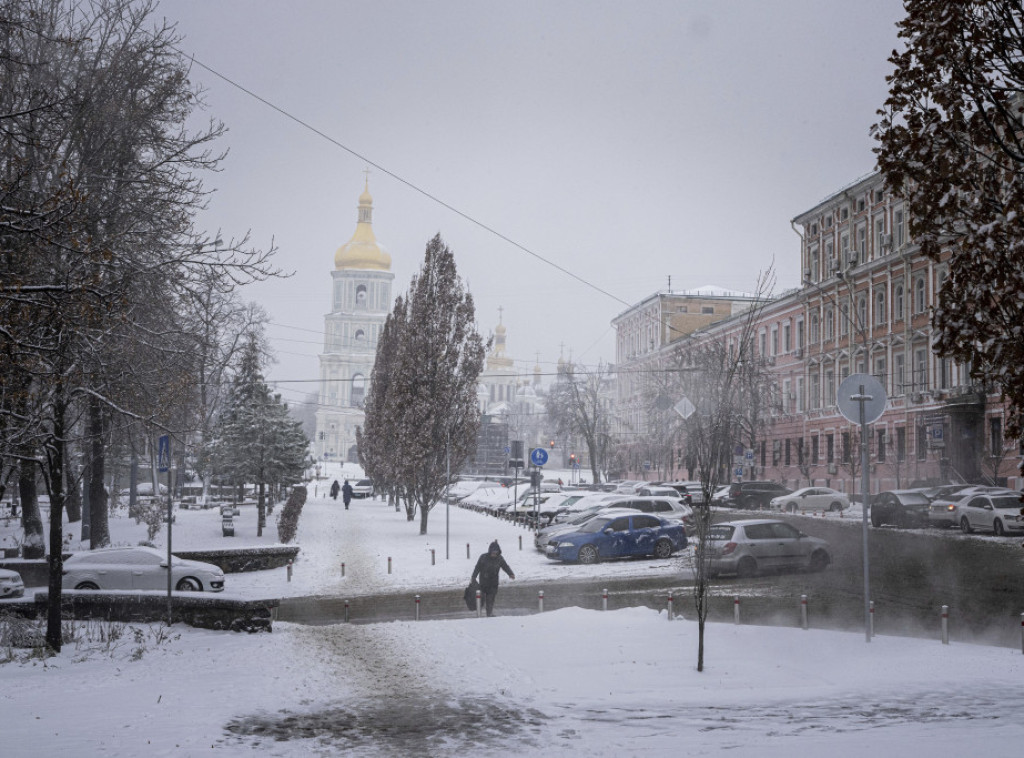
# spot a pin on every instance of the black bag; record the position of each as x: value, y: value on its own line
x: 470, y: 595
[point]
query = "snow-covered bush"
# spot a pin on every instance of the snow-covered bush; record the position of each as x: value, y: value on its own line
x: 288, y: 521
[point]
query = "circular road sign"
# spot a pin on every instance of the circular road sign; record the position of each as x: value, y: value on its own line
x: 851, y: 394
x: 538, y: 456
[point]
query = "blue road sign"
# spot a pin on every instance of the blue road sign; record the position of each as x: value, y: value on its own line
x: 538, y: 456
x: 163, y: 452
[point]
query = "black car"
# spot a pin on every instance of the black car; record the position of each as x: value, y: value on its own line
x: 754, y: 495
x: 902, y: 508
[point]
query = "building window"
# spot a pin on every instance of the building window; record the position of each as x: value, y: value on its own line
x: 879, y: 237
x: 897, y: 227
x: 847, y: 453
x: 880, y: 452
x: 681, y: 309
x: 880, y: 374
x: 830, y: 325
x: 862, y: 311
x: 361, y: 295
x: 830, y: 448
x: 899, y: 378
x: 862, y: 243
x: 901, y: 444
x: 919, y: 295
x: 844, y: 319
x: 830, y: 388
x: 814, y: 328
x: 358, y: 390
x: 815, y: 396
x: 787, y: 338
x: 920, y: 380
x: 814, y: 449
x: 788, y: 460
x: 707, y: 310
x: 897, y: 309
x: 880, y: 308
x: 995, y: 436
x: 922, y: 442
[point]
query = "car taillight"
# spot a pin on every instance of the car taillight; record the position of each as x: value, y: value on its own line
x: 728, y: 547
x: 951, y: 507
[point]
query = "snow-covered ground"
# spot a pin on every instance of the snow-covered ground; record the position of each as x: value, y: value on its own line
x: 616, y: 683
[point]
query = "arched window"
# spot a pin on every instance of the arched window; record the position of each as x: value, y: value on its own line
x: 361, y: 295
x: 844, y: 319
x: 862, y: 311
x: 358, y: 390
x: 880, y: 307
x: 919, y: 295
x: 897, y: 309
x: 360, y: 336
x: 814, y: 328
x: 830, y: 325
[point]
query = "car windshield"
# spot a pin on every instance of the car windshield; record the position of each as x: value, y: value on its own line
x: 913, y: 498
x: 1006, y: 501
x: 721, y: 532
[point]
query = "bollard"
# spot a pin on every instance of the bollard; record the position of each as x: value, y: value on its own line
x: 289, y: 569
x: 343, y: 568
x: 432, y: 557
x: 871, y: 618
x: 604, y: 601
x: 1022, y: 633
x: 945, y: 625
x: 477, y: 602
x: 670, y: 606
x: 736, y: 609
x: 803, y: 611
x: 520, y: 542
x: 389, y: 564
x: 346, y: 611
x: 540, y: 601
x: 417, y: 607
x: 467, y: 549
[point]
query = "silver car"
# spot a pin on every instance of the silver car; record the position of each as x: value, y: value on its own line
x: 996, y: 512
x: 138, y: 568
x: 11, y: 584
x: 749, y: 547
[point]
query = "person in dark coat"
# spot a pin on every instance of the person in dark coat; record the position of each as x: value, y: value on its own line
x: 487, y: 568
x: 334, y: 490
x: 346, y: 493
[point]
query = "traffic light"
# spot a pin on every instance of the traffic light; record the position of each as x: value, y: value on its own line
x: 572, y: 458
x: 552, y: 443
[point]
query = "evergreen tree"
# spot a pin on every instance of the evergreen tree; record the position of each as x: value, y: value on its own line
x: 255, y: 440
x: 422, y: 406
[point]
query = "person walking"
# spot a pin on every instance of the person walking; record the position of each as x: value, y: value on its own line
x: 487, y: 568
x: 334, y: 490
x: 346, y: 493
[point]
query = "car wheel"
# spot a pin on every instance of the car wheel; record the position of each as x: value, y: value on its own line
x: 836, y: 506
x: 876, y: 519
x: 751, y: 503
x: 87, y: 586
x: 587, y: 554
x: 997, y: 527
x: 188, y: 584
x: 791, y: 507
x: 820, y: 560
x: 662, y: 548
x: 746, y: 568
x: 965, y: 525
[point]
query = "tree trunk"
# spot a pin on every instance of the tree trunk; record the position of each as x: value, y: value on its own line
x: 34, y: 545
x: 261, y: 509
x: 424, y: 512
x: 54, y: 636
x: 72, y: 496
x: 99, y: 528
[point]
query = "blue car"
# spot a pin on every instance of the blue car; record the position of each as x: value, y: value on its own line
x: 618, y: 536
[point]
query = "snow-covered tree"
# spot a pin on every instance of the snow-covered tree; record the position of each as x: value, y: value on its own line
x: 951, y: 141
x: 255, y: 439
x: 578, y: 404
x: 421, y: 409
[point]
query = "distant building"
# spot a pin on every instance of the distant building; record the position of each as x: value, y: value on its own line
x: 360, y: 303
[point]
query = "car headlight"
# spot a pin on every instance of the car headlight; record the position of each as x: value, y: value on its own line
x: 564, y: 544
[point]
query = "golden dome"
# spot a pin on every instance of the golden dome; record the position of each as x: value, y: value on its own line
x: 363, y: 251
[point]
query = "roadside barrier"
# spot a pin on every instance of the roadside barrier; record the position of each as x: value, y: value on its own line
x: 417, y: 607
x: 803, y: 612
x: 736, y: 609
x: 540, y: 601
x: 945, y: 625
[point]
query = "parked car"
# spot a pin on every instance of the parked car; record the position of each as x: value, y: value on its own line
x: 11, y: 584
x: 663, y: 507
x: 721, y: 496
x: 544, y: 535
x: 362, y: 488
x: 811, y: 499
x: 748, y: 547
x: 754, y: 494
x: 902, y: 508
x: 694, y: 491
x: 942, y: 510
x: 622, y: 536
x: 657, y: 490
x: 138, y: 568
x: 998, y: 512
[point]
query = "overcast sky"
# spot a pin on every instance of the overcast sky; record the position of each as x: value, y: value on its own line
x: 623, y: 142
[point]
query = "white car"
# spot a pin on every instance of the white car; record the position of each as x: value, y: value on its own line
x: 996, y: 512
x: 138, y: 568
x: 811, y: 499
x: 11, y: 584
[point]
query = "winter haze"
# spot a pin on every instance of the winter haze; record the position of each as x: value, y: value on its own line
x: 618, y: 143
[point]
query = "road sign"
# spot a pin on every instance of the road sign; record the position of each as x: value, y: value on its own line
x: 684, y: 407
x: 848, y: 398
x: 538, y: 456
x: 738, y: 471
x: 163, y: 452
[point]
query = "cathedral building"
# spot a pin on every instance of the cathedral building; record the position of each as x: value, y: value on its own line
x: 360, y: 303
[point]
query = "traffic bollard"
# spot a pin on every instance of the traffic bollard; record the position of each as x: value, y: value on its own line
x: 871, y: 617
x: 604, y: 600
x: 467, y: 549
x: 803, y: 611
x: 478, y: 604
x: 945, y: 625
x: 343, y: 568
x: 670, y: 606
x: 433, y: 557
x: 346, y: 611
x: 736, y: 609
x: 389, y: 564
x: 289, y: 570
x: 520, y: 542
x: 417, y: 607
x: 540, y: 601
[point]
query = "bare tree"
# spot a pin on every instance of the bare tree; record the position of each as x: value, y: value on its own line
x: 579, y: 404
